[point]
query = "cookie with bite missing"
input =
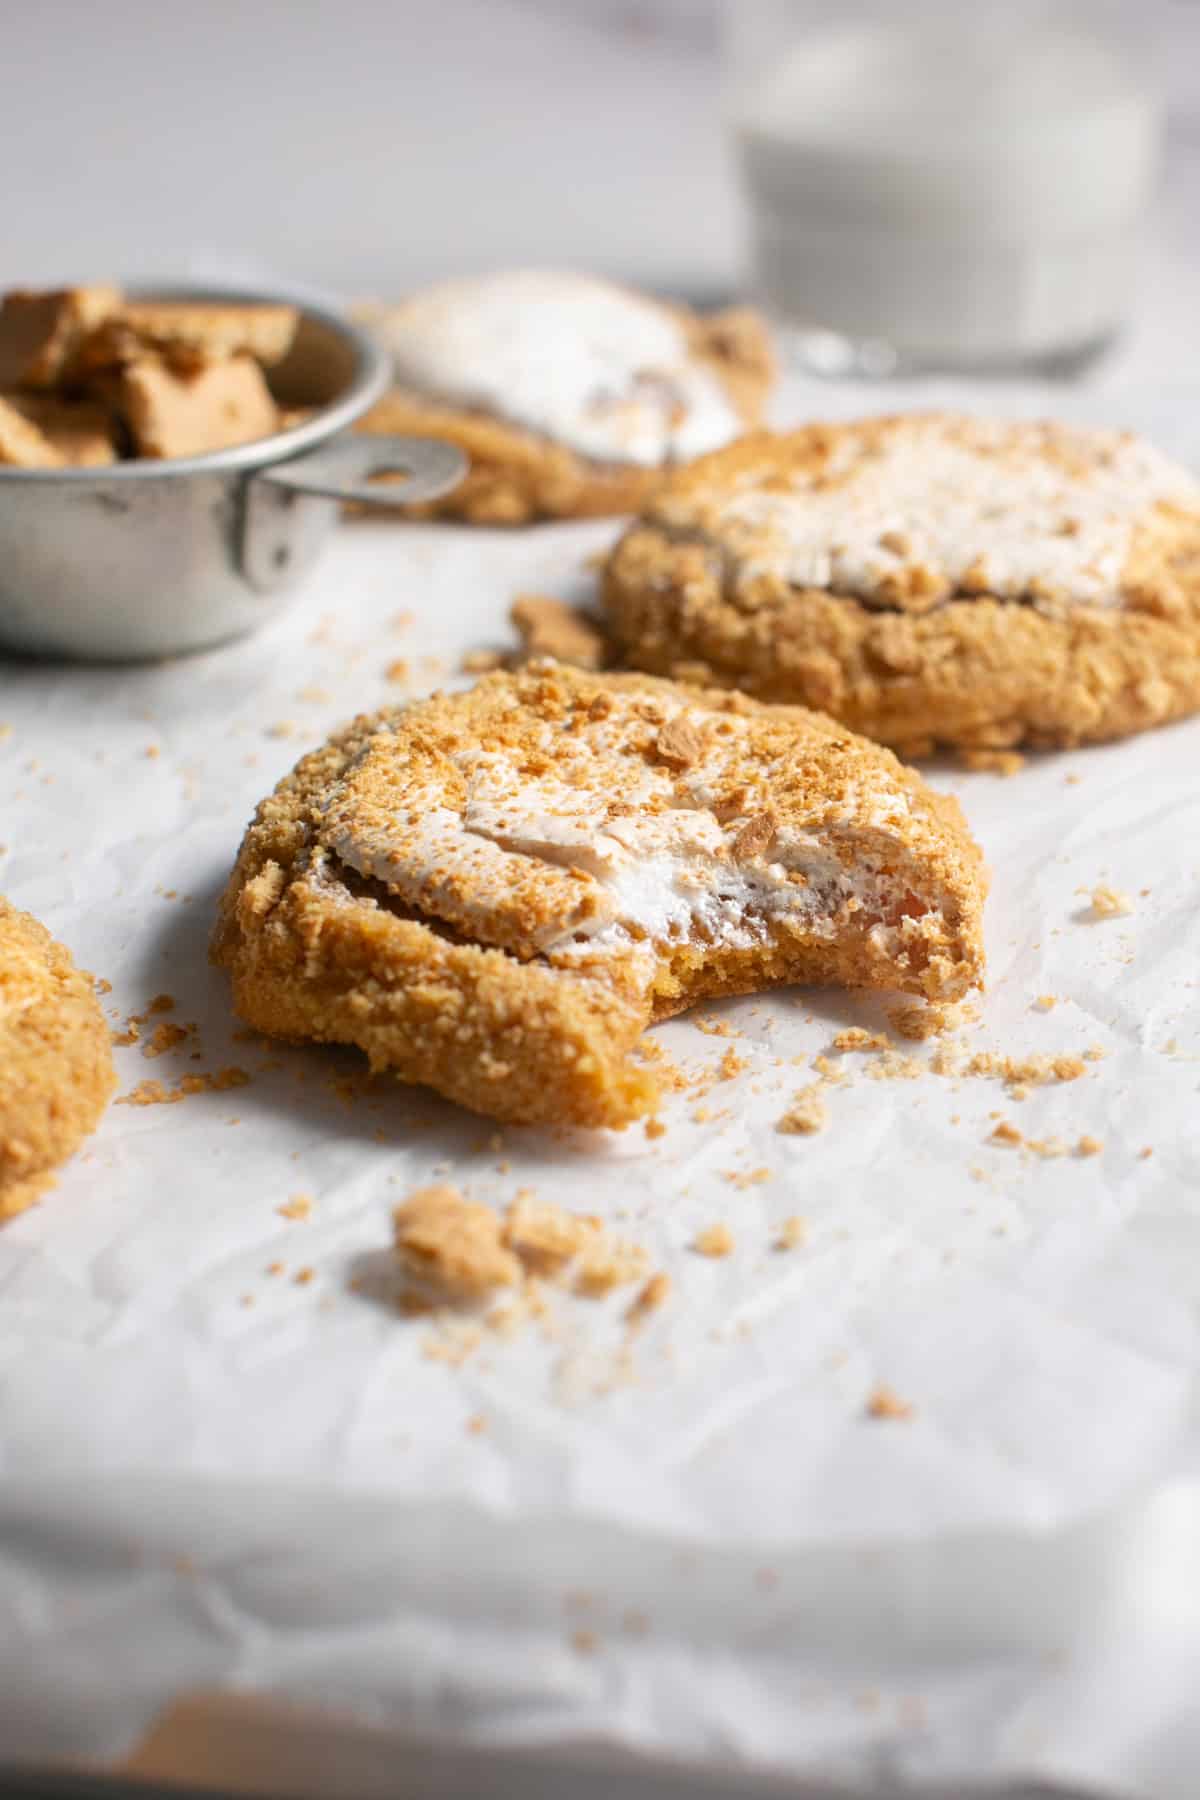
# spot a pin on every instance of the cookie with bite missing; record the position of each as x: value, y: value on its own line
x: 495, y: 892
x: 928, y: 579
x: 56, y: 1066
x: 570, y: 395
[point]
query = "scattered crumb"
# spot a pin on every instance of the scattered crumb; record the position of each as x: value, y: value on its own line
x: 745, y: 1178
x: 314, y: 696
x: 282, y: 728
x: 654, y: 1128
x: 792, y: 1233
x: 583, y: 1642
x: 152, y: 751
x: 153, y: 1093
x: 1095, y: 1053
x: 713, y: 1027
x: 992, y: 762
x: 299, y: 1206
x: 6, y: 732
x: 397, y: 670
x: 476, y: 1424
x: 549, y: 627
x: 884, y: 1403
x: 401, y: 621
x: 649, y: 1298
x: 920, y: 1021
x: 1146, y: 1151
x: 1047, y: 1148
x: 731, y: 1065
x: 481, y: 662
x: 855, y: 1038
x: 1108, y: 903
x: 807, y: 1114
x: 166, y: 1036
x: 1089, y: 1146
x: 276, y: 1268
x: 1006, y: 1133
x: 1045, y: 1003
x: 303, y: 1277
x: 714, y: 1240
x: 893, y: 1067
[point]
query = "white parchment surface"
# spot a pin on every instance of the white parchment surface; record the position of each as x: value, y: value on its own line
x: 215, y: 1475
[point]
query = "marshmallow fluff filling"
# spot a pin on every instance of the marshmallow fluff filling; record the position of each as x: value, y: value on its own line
x: 607, y: 373
x: 1013, y: 510
x: 600, y: 856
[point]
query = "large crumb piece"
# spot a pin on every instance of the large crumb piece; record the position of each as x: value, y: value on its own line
x: 807, y: 1114
x: 547, y: 1237
x: 40, y: 332
x: 453, y: 1243
x: 1006, y: 1133
x: 549, y: 627
x: 1109, y: 903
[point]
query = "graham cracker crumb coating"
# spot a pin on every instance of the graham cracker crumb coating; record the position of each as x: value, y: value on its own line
x: 499, y: 963
x: 55, y: 1058
x: 915, y: 653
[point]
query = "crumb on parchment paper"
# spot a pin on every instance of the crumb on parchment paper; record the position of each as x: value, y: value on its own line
x: 155, y: 1093
x: 1109, y: 902
x: 792, y: 1233
x: 883, y: 1402
x: 714, y: 1240
x: 807, y: 1113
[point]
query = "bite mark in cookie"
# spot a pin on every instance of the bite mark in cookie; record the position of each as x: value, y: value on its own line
x: 496, y: 892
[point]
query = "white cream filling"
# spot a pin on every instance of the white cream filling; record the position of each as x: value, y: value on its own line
x: 985, y: 504
x: 659, y: 873
x: 603, y: 371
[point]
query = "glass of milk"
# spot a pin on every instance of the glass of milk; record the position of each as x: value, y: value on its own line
x: 939, y: 187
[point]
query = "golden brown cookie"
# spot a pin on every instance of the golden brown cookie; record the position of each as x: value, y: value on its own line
x: 928, y: 579
x: 56, y: 1067
x: 570, y: 395
x: 495, y: 892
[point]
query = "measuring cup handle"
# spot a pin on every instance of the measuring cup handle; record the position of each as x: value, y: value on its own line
x: 342, y: 468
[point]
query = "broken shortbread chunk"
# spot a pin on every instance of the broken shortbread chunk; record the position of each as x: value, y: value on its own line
x: 210, y: 333
x: 170, y: 414
x: 79, y: 432
x: 40, y: 332
x: 496, y: 892
x: 22, y: 444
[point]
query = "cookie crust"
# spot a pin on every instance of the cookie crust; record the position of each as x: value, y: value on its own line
x: 511, y: 1017
x: 915, y: 666
x: 55, y: 1054
x: 517, y: 476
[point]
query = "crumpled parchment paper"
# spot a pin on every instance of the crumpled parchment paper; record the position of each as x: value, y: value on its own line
x: 695, y: 1539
